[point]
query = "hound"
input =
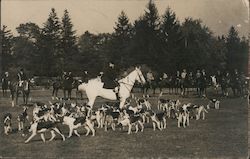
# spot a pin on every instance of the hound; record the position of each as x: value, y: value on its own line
x: 111, y: 118
x: 215, y: 102
x: 130, y: 121
x: 183, y: 116
x: 7, y: 123
x: 201, y: 111
x: 158, y: 119
x: 42, y: 127
x: 22, y: 118
x: 163, y: 104
x: 75, y: 123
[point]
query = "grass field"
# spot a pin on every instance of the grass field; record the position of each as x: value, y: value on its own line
x: 224, y: 134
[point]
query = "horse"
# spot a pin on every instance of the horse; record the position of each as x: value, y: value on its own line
x: 5, y: 86
x: 94, y: 88
x: 24, y: 88
x: 214, y: 83
x: 225, y: 84
x: 236, y: 86
x: 149, y: 85
x: 67, y: 87
x: 201, y: 84
x: 56, y: 85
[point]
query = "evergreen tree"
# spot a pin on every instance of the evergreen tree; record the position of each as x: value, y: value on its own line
x: 245, y: 55
x: 170, y: 38
x: 218, y: 56
x: 196, y: 46
x: 68, y: 42
x: 234, y: 54
x: 50, y: 45
x: 146, y: 48
x: 118, y: 46
x: 25, y: 47
x: 7, y: 39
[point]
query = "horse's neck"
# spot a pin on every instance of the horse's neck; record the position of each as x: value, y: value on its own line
x: 130, y: 79
x: 25, y: 85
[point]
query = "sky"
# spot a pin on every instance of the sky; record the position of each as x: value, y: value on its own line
x: 99, y: 16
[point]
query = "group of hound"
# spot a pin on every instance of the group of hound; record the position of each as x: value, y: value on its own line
x: 174, y: 109
x: 48, y: 118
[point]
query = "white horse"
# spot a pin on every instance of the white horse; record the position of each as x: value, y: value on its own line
x: 94, y: 88
x: 215, y: 83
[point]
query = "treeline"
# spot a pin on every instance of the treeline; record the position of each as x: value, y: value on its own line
x: 160, y: 42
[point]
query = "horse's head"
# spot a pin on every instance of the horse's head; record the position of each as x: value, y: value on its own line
x: 140, y: 78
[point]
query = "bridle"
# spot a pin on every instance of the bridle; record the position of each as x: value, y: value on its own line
x: 140, y: 76
x: 128, y: 84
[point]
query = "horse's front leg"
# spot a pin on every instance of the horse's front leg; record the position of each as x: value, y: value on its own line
x: 64, y: 94
x: 17, y: 97
x: 53, y: 93
x: 122, y: 103
x: 3, y: 92
x: 69, y: 94
x: 24, y: 98
x: 12, y: 98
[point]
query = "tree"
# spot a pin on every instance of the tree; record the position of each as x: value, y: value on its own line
x: 196, y: 45
x: 145, y: 47
x: 68, y: 41
x: 50, y: 46
x: 218, y: 55
x: 244, y: 55
x: 7, y: 38
x: 235, y: 53
x: 119, y: 43
x: 170, y: 40
x: 92, y: 52
x: 25, y: 46
x: 31, y: 31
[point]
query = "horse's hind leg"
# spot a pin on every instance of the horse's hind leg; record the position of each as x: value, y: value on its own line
x: 53, y: 93
x: 17, y: 98
x: 64, y: 94
x: 69, y: 94
x: 12, y: 98
x: 3, y: 92
x: 56, y: 92
x: 24, y: 98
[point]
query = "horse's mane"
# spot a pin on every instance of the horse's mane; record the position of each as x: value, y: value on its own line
x: 128, y: 70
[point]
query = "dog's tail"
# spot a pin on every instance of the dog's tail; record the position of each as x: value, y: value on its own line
x: 204, y: 109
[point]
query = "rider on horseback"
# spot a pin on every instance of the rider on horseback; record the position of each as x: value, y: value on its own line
x: 6, y: 78
x: 150, y: 77
x: 21, y: 77
x: 109, y: 77
x: 183, y: 81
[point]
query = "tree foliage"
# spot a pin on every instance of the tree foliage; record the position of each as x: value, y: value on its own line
x: 7, y: 38
x: 159, y: 42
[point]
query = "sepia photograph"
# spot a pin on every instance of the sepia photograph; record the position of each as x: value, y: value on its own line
x: 124, y: 79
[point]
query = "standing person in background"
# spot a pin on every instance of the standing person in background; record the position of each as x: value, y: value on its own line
x: 198, y: 82
x: 5, y: 83
x: 183, y: 81
x: 203, y: 83
x: 177, y: 81
x: 218, y: 77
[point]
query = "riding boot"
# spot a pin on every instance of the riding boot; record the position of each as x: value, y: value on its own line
x: 116, y: 91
